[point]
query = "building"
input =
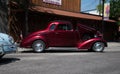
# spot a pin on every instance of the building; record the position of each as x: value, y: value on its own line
x: 41, y: 12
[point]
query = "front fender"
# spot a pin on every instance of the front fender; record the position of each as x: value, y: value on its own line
x: 88, y: 43
x: 27, y: 42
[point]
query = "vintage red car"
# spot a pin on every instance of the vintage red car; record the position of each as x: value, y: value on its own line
x: 65, y: 34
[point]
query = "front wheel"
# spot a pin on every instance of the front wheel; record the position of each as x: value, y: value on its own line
x: 38, y: 46
x: 98, y: 47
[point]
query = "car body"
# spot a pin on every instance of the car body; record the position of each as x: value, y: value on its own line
x: 7, y: 44
x: 65, y: 34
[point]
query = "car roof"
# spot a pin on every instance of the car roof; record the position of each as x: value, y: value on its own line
x: 61, y: 21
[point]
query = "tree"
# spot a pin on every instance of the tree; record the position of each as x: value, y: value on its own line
x: 114, y: 9
x: 3, y: 16
x: 15, y: 26
x: 21, y: 5
x: 99, y: 8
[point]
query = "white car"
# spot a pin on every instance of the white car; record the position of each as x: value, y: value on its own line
x: 7, y: 44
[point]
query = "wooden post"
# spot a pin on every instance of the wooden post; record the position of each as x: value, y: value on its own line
x: 119, y: 24
x: 103, y: 17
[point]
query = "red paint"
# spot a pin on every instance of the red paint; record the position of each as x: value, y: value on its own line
x: 55, y: 36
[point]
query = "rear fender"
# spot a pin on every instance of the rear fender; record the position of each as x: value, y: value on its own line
x: 28, y: 42
x: 88, y: 43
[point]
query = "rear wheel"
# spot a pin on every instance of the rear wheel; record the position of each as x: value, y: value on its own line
x: 38, y: 46
x: 98, y: 47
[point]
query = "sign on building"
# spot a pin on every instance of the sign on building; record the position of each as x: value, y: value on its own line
x: 106, y: 11
x: 56, y: 2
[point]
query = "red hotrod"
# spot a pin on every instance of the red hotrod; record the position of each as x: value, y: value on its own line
x: 65, y: 34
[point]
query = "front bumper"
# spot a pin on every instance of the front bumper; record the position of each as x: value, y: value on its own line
x: 4, y: 49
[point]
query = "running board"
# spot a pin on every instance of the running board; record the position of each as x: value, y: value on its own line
x: 62, y: 48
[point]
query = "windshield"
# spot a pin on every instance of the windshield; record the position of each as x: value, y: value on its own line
x: 52, y: 27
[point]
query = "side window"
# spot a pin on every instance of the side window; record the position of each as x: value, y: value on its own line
x: 61, y: 27
x: 69, y: 26
x: 52, y: 27
x: 64, y: 27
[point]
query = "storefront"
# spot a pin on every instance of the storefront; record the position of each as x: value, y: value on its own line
x: 42, y: 13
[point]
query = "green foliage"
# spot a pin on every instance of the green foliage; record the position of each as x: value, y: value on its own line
x: 118, y: 23
x: 115, y: 8
x: 99, y: 8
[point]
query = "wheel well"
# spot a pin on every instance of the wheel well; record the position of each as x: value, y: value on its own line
x: 105, y: 45
x: 99, y: 41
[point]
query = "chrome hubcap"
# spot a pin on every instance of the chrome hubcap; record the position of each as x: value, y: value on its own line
x: 98, y: 46
x: 39, y: 47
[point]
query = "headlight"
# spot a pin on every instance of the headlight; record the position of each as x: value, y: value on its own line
x: 11, y: 39
x: 95, y: 36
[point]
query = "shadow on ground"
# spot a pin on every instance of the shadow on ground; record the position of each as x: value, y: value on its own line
x: 58, y: 51
x: 4, y: 61
x: 74, y: 51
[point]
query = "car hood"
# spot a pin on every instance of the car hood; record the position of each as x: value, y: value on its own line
x: 4, y: 37
x: 87, y: 28
x: 36, y: 33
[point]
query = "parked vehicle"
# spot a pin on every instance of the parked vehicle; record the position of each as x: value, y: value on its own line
x: 7, y: 44
x: 65, y: 34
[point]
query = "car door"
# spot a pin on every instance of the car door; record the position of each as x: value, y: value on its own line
x: 51, y: 36
x: 64, y: 35
x: 55, y: 36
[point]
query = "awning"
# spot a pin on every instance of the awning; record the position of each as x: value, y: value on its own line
x: 67, y: 13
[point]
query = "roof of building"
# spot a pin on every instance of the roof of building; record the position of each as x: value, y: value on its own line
x: 67, y: 13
